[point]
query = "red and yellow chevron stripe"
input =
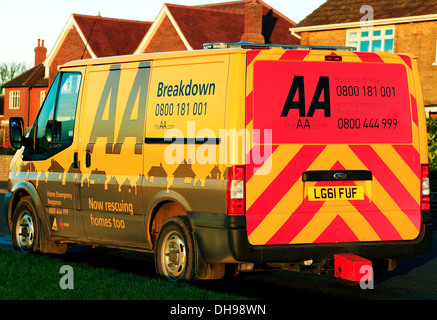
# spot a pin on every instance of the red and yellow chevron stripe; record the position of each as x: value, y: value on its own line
x: 278, y: 209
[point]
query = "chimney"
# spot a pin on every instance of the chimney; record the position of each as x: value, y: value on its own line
x: 253, y: 22
x: 40, y: 52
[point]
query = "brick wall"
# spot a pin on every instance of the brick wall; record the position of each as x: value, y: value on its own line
x: 165, y: 38
x: 324, y: 38
x: 71, y: 49
x: 5, y: 161
x: 420, y: 40
x: 22, y: 110
x: 416, y: 38
x: 253, y: 23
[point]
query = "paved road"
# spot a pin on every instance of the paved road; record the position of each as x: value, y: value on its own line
x: 413, y: 279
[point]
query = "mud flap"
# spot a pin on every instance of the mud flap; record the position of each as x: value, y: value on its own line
x: 206, y: 270
x: 349, y: 266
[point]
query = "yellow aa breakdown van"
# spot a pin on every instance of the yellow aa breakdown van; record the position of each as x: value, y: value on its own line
x: 254, y: 156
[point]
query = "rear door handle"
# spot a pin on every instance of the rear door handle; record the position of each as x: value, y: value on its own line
x: 88, y: 159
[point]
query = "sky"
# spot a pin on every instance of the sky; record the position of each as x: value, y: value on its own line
x: 23, y: 22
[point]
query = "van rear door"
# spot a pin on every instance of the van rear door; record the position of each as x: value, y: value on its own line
x: 344, y: 139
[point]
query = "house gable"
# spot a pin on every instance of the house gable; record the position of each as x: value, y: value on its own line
x: 111, y: 37
x: 165, y: 38
x: 86, y: 37
x: 59, y: 42
x: 72, y: 48
x: 166, y: 26
x: 224, y: 22
x: 200, y: 25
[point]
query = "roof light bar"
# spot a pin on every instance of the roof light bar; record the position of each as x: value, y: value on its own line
x: 248, y: 45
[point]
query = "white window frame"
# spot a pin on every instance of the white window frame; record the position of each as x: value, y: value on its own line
x: 42, y: 96
x: 356, y: 41
x: 14, y: 99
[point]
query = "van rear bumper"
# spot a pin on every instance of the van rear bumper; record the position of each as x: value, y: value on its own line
x: 223, y: 238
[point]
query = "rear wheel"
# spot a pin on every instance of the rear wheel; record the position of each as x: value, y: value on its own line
x: 25, y: 227
x: 174, y: 256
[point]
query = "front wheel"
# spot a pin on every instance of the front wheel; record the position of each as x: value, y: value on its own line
x: 174, y: 256
x: 25, y: 227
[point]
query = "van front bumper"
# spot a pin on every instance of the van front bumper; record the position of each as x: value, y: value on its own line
x: 223, y: 238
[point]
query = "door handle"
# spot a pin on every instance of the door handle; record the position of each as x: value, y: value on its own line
x: 75, y: 160
x: 88, y: 159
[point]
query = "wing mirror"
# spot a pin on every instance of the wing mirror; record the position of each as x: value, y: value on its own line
x: 16, y: 132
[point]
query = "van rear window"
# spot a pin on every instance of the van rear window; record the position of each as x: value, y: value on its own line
x: 330, y: 102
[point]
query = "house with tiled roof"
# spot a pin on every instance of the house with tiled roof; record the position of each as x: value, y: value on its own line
x: 26, y: 90
x: 401, y: 26
x: 82, y: 37
x: 176, y: 28
x: 189, y: 27
x: 273, y: 23
x: 85, y: 37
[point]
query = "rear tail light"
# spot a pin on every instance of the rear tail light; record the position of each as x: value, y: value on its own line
x: 426, y: 190
x: 236, y: 190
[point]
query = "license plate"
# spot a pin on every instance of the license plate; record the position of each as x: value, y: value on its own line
x: 335, y: 193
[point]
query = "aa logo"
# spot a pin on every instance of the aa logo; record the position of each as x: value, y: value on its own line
x: 132, y: 123
x: 321, y: 99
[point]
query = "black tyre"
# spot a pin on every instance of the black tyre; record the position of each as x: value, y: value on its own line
x: 25, y: 227
x: 174, y: 255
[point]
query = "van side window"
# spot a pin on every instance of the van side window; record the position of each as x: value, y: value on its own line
x: 55, y: 123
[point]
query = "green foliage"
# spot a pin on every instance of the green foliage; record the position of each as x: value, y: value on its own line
x: 10, y: 70
x: 431, y: 126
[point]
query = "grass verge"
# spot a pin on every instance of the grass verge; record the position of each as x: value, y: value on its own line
x: 37, y: 277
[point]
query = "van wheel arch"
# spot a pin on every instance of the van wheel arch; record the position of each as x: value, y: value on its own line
x: 44, y: 245
x: 17, y: 197
x: 175, y: 250
x: 160, y: 213
x: 168, y: 211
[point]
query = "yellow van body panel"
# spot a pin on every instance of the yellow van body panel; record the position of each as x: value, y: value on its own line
x: 332, y: 145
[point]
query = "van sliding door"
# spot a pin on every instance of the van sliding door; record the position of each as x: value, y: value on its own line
x: 111, y: 153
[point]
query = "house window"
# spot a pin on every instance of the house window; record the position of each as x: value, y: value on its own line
x: 371, y: 39
x: 14, y: 99
x: 42, y: 96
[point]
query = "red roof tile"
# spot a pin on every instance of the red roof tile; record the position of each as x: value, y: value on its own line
x: 224, y: 22
x: 33, y: 77
x: 111, y: 37
x: 200, y: 26
x: 341, y: 11
x: 275, y: 25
